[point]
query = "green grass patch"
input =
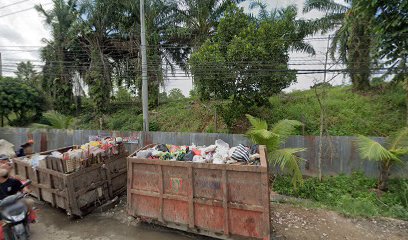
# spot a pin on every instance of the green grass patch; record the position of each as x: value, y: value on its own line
x: 353, y: 195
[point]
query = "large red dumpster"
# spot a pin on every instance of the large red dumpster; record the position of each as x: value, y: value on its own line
x: 222, y: 201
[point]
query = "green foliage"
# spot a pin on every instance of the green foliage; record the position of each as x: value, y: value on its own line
x: 55, y: 120
x: 123, y: 95
x: 352, y: 195
x: 286, y: 159
x: 20, y: 99
x: 374, y: 151
x: 60, y: 55
x: 348, y: 113
x: 352, y: 38
x: 246, y: 60
x: 26, y: 73
x: 175, y: 94
x: 230, y: 63
x: 390, y: 29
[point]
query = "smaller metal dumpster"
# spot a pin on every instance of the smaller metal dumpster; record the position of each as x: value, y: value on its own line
x: 221, y: 201
x: 78, y: 192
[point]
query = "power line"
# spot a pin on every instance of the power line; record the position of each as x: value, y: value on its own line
x: 23, y: 10
x: 12, y: 4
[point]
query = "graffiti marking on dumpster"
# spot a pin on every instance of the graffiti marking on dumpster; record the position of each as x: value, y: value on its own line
x: 176, y: 184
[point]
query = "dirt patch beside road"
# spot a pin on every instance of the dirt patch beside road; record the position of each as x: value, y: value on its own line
x: 293, y: 222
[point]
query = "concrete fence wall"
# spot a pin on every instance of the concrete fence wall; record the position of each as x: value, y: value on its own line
x: 339, y: 152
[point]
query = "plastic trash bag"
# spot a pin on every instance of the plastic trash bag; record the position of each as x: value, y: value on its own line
x: 221, y: 152
x: 157, y: 153
x: 189, y: 156
x: 162, y: 148
x: 144, y: 154
x: 56, y: 154
x: 210, y: 148
x: 7, y: 148
x: 198, y: 159
x: 241, y: 154
x: 35, y: 160
x: 254, y: 149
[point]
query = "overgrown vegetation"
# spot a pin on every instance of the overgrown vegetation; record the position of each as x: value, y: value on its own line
x: 348, y: 113
x: 353, y: 195
x: 377, y: 113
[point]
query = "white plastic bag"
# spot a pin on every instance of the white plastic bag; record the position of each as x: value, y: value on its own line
x: 199, y: 159
x: 56, y: 154
x: 210, y: 148
x: 221, y: 152
x: 35, y: 160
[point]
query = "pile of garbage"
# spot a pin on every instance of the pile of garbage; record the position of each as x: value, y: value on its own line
x: 218, y: 153
x: 79, y: 157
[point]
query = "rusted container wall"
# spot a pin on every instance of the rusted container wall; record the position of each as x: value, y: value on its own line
x: 79, y: 192
x: 222, y: 201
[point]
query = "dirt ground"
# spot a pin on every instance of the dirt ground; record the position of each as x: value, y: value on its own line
x: 292, y: 222
x: 288, y: 221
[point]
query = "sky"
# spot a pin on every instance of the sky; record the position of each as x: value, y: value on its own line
x: 22, y: 31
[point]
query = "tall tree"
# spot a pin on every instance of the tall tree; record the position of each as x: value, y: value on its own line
x: 26, y: 72
x: 58, y: 69
x: 390, y: 29
x: 247, y: 59
x: 352, y: 38
x: 200, y: 18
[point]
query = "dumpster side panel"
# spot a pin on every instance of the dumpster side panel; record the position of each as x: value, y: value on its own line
x: 222, y: 201
x: 175, y: 211
x: 147, y: 177
x: 207, y: 184
x: 79, y: 192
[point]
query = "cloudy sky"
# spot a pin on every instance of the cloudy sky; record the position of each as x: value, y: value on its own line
x: 22, y: 30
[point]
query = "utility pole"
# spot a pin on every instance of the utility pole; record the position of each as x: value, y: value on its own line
x: 145, y: 99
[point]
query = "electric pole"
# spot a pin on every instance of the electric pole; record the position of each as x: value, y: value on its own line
x: 145, y: 99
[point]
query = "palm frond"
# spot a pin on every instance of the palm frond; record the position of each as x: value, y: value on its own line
x: 399, y: 139
x: 285, y: 128
x: 303, y: 47
x: 372, y: 150
x: 287, y: 160
x: 328, y: 6
x: 256, y: 122
x: 58, y: 120
x: 326, y: 23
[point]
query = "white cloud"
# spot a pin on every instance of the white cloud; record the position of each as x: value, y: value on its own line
x: 21, y: 33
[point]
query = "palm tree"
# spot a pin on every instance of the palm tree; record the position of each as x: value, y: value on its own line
x: 387, y: 156
x: 352, y: 38
x: 200, y: 18
x: 297, y: 29
x: 57, y: 70
x: 286, y: 158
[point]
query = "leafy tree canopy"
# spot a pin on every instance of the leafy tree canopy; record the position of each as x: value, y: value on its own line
x: 20, y: 99
x: 247, y: 58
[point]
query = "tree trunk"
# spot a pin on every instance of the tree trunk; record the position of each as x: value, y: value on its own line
x: 384, y: 175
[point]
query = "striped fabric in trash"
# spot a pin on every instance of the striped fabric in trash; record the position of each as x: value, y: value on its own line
x: 241, y: 154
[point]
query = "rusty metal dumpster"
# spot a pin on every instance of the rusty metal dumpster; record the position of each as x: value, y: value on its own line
x: 78, y: 192
x: 222, y: 201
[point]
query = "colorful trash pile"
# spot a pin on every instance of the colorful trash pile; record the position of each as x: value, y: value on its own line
x: 78, y: 157
x: 218, y: 153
